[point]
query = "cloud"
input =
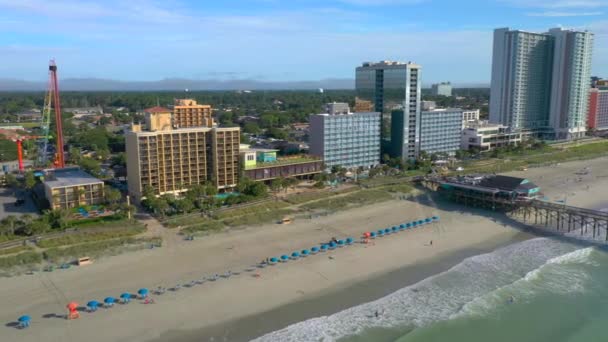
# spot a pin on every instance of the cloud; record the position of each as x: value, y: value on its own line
x: 555, y: 4
x: 563, y: 14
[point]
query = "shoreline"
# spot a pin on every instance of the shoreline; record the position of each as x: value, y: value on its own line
x: 332, y: 300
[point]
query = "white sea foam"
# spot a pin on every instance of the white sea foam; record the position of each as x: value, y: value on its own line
x: 439, y: 297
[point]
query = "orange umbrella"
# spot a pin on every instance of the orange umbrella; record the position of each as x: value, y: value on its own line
x: 367, y: 234
x: 72, y: 306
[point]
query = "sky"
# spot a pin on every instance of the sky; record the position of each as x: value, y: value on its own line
x: 273, y: 40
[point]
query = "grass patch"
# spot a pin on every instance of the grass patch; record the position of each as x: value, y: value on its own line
x: 315, y: 196
x: 204, y: 227
x: 258, y: 218
x: 254, y: 209
x: 103, y: 221
x: 96, y: 249
x: 89, y: 237
x: 26, y: 258
x: 15, y: 249
x: 185, y: 220
x: 359, y: 198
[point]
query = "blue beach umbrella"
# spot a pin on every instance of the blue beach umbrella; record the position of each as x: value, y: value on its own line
x: 420, y: 222
x: 408, y: 225
x: 349, y: 241
x: 372, y: 235
x: 340, y: 243
x: 305, y: 252
x: 125, y: 297
x: 435, y: 218
x: 414, y: 224
x: 395, y: 229
x: 24, y: 318
x: 428, y: 220
x: 143, y: 292
x: 380, y: 233
x: 284, y: 257
x: 332, y: 245
x: 387, y: 231
x: 274, y: 260
x: 402, y: 226
x: 314, y: 250
x: 109, y: 301
x: 324, y: 248
x: 295, y: 255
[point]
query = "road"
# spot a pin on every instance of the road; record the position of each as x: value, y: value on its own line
x: 7, y: 203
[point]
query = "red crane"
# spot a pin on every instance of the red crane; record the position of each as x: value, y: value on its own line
x: 53, y: 92
x: 19, y: 140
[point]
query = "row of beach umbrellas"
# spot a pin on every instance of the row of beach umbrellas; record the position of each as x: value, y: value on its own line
x: 401, y: 227
x: 313, y: 250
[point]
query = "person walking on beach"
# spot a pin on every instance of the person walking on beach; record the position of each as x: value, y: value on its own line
x: 431, y: 242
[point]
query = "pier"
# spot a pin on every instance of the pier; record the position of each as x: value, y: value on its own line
x: 528, y: 209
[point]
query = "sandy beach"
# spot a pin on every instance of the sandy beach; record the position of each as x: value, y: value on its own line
x: 44, y: 295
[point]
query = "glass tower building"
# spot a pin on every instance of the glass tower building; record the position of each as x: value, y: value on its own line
x: 394, y: 88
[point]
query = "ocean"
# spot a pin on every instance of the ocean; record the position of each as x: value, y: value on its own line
x: 542, y: 289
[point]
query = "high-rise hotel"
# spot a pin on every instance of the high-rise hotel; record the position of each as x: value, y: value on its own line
x: 169, y: 159
x: 394, y: 88
x: 540, y: 81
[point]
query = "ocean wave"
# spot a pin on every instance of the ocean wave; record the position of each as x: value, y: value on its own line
x: 439, y: 297
x: 560, y: 275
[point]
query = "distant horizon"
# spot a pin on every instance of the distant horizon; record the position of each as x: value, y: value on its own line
x: 180, y: 84
x: 273, y: 41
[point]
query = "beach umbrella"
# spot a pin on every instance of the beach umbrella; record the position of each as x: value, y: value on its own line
x: 126, y: 297
x: 420, y: 222
x: 349, y: 240
x: 435, y: 218
x: 428, y: 220
x: 408, y: 225
x: 387, y: 231
x: 295, y: 255
x: 274, y: 260
x: 72, y: 306
x: 314, y: 250
x: 394, y: 229
x: 372, y: 235
x: 284, y: 257
x: 340, y: 243
x: 332, y: 245
x: 380, y: 232
x: 109, y: 300
x: 367, y: 235
x: 402, y: 226
x: 414, y: 224
x: 143, y: 292
x: 324, y: 248
x: 305, y: 252
x: 93, y: 304
x: 24, y: 318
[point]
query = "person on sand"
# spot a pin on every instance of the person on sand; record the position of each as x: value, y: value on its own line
x: 431, y: 242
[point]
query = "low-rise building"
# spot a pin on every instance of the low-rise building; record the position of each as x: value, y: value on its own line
x: 597, y: 118
x: 440, y: 130
x: 349, y: 140
x: 443, y: 88
x: 71, y: 187
x: 469, y: 116
x: 263, y: 164
x: 484, y: 136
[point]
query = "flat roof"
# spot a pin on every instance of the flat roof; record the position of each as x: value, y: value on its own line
x: 62, y: 178
x: 249, y: 149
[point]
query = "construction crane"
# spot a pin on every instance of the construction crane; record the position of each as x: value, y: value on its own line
x: 51, y: 100
x: 19, y: 141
